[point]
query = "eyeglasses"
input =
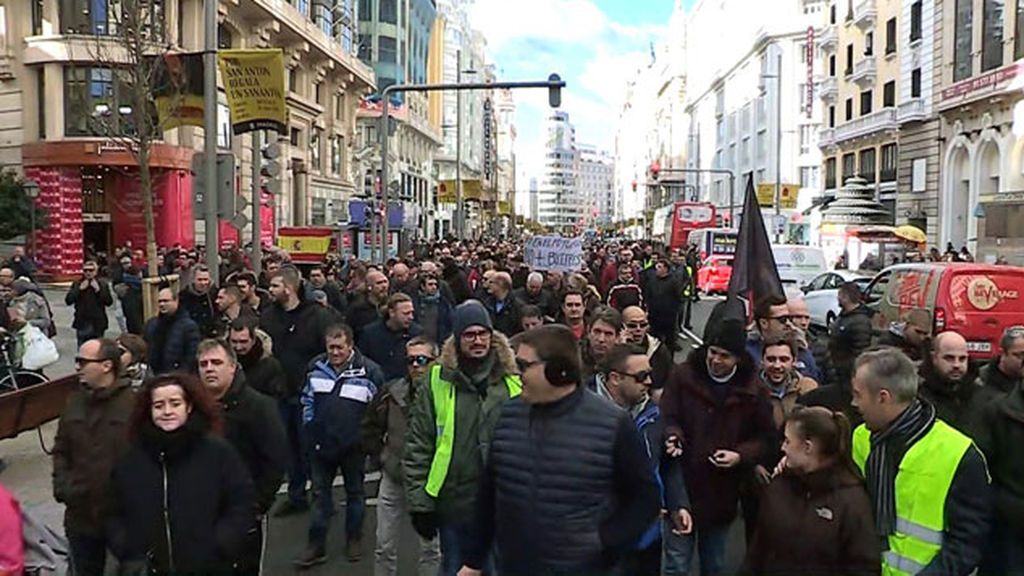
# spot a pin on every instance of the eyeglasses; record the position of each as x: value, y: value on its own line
x: 80, y: 361
x: 420, y: 360
x: 525, y: 365
x: 641, y: 376
x: 476, y: 335
x: 785, y: 319
x: 637, y: 325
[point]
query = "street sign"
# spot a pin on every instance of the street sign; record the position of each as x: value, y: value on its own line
x: 788, y: 194
x: 240, y: 221
x: 779, y: 224
x: 225, y: 185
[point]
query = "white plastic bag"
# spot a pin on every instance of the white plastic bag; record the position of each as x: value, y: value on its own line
x: 40, y: 351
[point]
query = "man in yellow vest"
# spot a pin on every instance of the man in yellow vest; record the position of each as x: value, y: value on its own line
x: 450, y: 428
x: 929, y: 483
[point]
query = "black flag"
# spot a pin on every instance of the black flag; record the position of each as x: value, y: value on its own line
x: 754, y: 275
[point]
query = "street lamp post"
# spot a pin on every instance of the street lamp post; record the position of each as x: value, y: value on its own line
x: 778, y: 139
x: 554, y: 84
x: 31, y: 192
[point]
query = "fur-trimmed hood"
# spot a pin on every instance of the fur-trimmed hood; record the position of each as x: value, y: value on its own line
x: 505, y: 356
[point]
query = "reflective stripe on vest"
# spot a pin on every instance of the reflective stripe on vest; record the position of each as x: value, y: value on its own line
x: 922, y: 483
x: 444, y: 419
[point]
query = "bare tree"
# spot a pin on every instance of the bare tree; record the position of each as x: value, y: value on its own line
x: 133, y: 51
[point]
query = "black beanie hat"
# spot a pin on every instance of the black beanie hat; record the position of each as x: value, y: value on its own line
x: 729, y: 334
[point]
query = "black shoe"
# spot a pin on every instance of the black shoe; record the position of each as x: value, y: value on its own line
x: 289, y: 508
x: 313, y: 556
x: 354, y: 550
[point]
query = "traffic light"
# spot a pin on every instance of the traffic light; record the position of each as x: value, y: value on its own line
x: 270, y: 167
x: 554, y: 91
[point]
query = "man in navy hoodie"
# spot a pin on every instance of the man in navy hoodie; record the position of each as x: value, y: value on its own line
x: 339, y: 387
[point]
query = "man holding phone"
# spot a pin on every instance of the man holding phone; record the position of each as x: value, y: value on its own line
x: 719, y: 421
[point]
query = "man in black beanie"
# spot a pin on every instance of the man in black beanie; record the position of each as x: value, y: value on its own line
x: 718, y: 420
x: 450, y: 428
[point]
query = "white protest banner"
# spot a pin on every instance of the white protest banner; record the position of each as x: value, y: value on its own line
x: 554, y: 253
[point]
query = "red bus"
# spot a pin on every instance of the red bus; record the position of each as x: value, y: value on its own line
x: 677, y: 220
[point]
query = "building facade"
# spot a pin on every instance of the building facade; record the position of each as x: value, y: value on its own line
x: 596, y: 181
x: 505, y: 157
x: 981, y: 105
x: 750, y: 105
x: 559, y: 205
x: 69, y: 112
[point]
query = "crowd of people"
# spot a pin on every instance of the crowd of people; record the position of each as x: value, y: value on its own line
x: 529, y: 422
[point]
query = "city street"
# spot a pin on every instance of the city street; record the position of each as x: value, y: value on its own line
x: 28, y: 471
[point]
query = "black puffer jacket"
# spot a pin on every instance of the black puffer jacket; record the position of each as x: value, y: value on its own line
x: 849, y: 336
x: 298, y: 337
x: 183, y: 502
x: 202, y: 309
x: 263, y: 372
x: 172, y: 342
x: 1000, y: 437
x: 252, y: 424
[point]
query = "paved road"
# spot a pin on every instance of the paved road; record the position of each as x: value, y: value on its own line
x: 28, y: 476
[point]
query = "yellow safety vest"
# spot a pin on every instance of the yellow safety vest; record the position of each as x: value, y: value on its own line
x: 444, y: 418
x: 922, y: 483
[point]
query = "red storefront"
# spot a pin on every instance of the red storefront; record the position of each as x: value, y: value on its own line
x: 91, y: 194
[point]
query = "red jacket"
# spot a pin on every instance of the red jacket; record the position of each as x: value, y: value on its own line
x: 742, y: 423
x: 12, y: 545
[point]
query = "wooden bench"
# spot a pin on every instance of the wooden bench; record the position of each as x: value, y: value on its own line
x: 34, y: 406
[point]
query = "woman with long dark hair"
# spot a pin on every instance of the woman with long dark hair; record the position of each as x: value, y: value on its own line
x: 183, y: 499
x: 815, y: 517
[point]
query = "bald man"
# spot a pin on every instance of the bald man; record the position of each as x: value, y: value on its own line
x: 949, y: 383
x: 636, y: 330
x: 365, y: 306
x: 505, y: 310
x: 912, y: 336
x: 536, y: 294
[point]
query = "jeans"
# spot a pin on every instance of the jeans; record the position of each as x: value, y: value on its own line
x: 675, y: 554
x: 710, y: 544
x: 88, y: 554
x: 298, y: 462
x: 352, y: 465
x: 454, y: 540
x: 391, y: 512
x: 86, y: 333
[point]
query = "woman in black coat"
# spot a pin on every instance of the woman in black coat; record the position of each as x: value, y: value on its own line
x: 183, y: 500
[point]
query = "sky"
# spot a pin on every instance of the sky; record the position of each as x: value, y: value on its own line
x: 596, y: 46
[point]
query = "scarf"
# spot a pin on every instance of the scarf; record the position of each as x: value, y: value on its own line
x: 478, y: 372
x: 887, y: 450
x: 789, y: 383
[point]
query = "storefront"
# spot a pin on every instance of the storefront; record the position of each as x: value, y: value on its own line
x: 90, y: 191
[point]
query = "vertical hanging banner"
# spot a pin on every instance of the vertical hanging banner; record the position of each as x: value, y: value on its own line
x: 254, y: 85
x: 177, y: 88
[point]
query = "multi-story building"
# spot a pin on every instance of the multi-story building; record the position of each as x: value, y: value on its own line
x: 634, y: 150
x: 394, y: 38
x: 560, y: 205
x: 747, y: 116
x: 860, y: 89
x: 505, y: 175
x: 981, y: 104
x: 668, y: 140
x: 55, y: 87
x: 596, y: 186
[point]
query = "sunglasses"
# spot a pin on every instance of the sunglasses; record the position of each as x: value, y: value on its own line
x: 641, y: 376
x: 419, y: 360
x: 80, y: 361
x: 637, y: 325
x: 784, y: 319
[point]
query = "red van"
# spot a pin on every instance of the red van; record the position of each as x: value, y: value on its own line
x: 979, y: 301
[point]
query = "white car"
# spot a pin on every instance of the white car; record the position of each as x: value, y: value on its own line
x: 821, y: 294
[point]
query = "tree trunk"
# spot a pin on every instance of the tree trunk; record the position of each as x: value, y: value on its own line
x: 146, y: 188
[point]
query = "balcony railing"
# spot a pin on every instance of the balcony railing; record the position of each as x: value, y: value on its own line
x: 826, y: 137
x: 864, y: 71
x: 827, y: 40
x: 829, y: 89
x: 911, y: 111
x: 864, y: 14
x: 884, y: 119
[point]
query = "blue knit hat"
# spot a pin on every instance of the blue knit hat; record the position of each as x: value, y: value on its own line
x: 470, y: 313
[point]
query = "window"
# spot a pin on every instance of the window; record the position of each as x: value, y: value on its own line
x: 314, y: 148
x: 336, y: 145
x: 849, y: 59
x: 100, y: 17
x: 888, y: 173
x: 37, y: 17
x: 388, y: 50
x: 869, y: 43
x: 832, y: 116
x: 849, y: 109
x: 889, y: 94
x: 832, y: 66
x: 96, y: 102
x: 915, y: 83
x: 293, y: 79
x: 849, y: 10
x: 365, y: 10
x: 918, y: 179
x: 41, y: 87
x: 295, y: 136
x: 809, y: 176
x: 891, y: 36
x: 962, y: 41
x: 867, y: 165
x: 865, y: 102
x: 806, y: 138
x: 830, y: 173
x: 1006, y: 222
x: 915, y: 21
x: 992, y: 35
x: 1018, y: 37
x: 389, y: 11
x: 849, y: 165
x: 832, y: 14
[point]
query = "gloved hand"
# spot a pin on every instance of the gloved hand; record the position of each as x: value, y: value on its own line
x: 425, y: 524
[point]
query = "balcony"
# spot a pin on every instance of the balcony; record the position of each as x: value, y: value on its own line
x: 826, y: 138
x: 829, y: 89
x: 827, y: 40
x: 864, y: 72
x: 882, y: 120
x: 911, y: 111
x: 865, y: 14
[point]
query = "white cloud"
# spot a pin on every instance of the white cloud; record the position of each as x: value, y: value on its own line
x: 571, y: 21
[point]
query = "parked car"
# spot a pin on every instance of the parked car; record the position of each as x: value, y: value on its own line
x: 821, y: 294
x: 713, y: 276
x: 798, y: 264
x: 978, y: 301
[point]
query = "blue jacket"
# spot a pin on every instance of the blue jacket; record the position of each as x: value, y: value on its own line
x: 334, y: 401
x: 378, y: 343
x: 668, y: 471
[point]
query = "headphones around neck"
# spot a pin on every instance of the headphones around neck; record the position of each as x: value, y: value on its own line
x: 560, y: 372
